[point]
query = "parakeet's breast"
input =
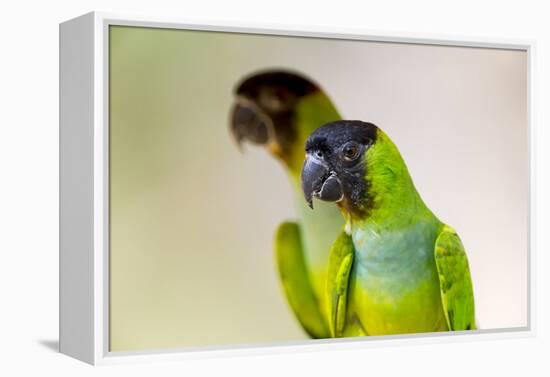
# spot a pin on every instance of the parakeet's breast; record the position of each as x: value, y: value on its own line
x: 394, y: 283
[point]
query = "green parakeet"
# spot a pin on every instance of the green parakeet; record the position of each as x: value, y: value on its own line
x: 395, y: 265
x: 279, y: 110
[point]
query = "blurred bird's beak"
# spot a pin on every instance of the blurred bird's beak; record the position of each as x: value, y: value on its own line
x: 320, y: 182
x: 248, y: 122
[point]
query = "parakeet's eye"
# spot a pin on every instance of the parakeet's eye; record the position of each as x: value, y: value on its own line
x: 350, y: 151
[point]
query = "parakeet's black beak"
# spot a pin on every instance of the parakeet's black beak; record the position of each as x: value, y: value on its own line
x: 248, y: 122
x: 319, y: 181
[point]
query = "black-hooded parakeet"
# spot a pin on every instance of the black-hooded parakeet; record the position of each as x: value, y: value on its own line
x: 395, y: 264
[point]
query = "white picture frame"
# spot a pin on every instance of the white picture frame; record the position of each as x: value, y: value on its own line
x: 84, y: 189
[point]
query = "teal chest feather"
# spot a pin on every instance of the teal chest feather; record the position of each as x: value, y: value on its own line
x: 394, y: 282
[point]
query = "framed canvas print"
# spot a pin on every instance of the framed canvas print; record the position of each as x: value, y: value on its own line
x: 228, y: 189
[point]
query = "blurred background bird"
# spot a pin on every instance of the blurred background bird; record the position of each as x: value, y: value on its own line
x: 278, y: 110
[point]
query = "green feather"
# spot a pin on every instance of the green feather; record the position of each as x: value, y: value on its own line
x: 339, y: 267
x: 454, y: 280
x: 295, y: 280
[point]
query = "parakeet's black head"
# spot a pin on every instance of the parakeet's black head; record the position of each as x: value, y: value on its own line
x: 264, y: 109
x: 335, y: 165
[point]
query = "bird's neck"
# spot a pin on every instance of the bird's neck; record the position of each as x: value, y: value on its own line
x: 392, y: 201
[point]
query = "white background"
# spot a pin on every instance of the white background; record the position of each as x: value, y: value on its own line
x: 29, y: 190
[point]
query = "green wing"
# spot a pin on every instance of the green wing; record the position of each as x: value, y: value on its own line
x: 295, y: 280
x: 340, y: 263
x: 454, y: 281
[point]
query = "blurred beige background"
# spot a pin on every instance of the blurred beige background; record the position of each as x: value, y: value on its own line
x: 192, y: 219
